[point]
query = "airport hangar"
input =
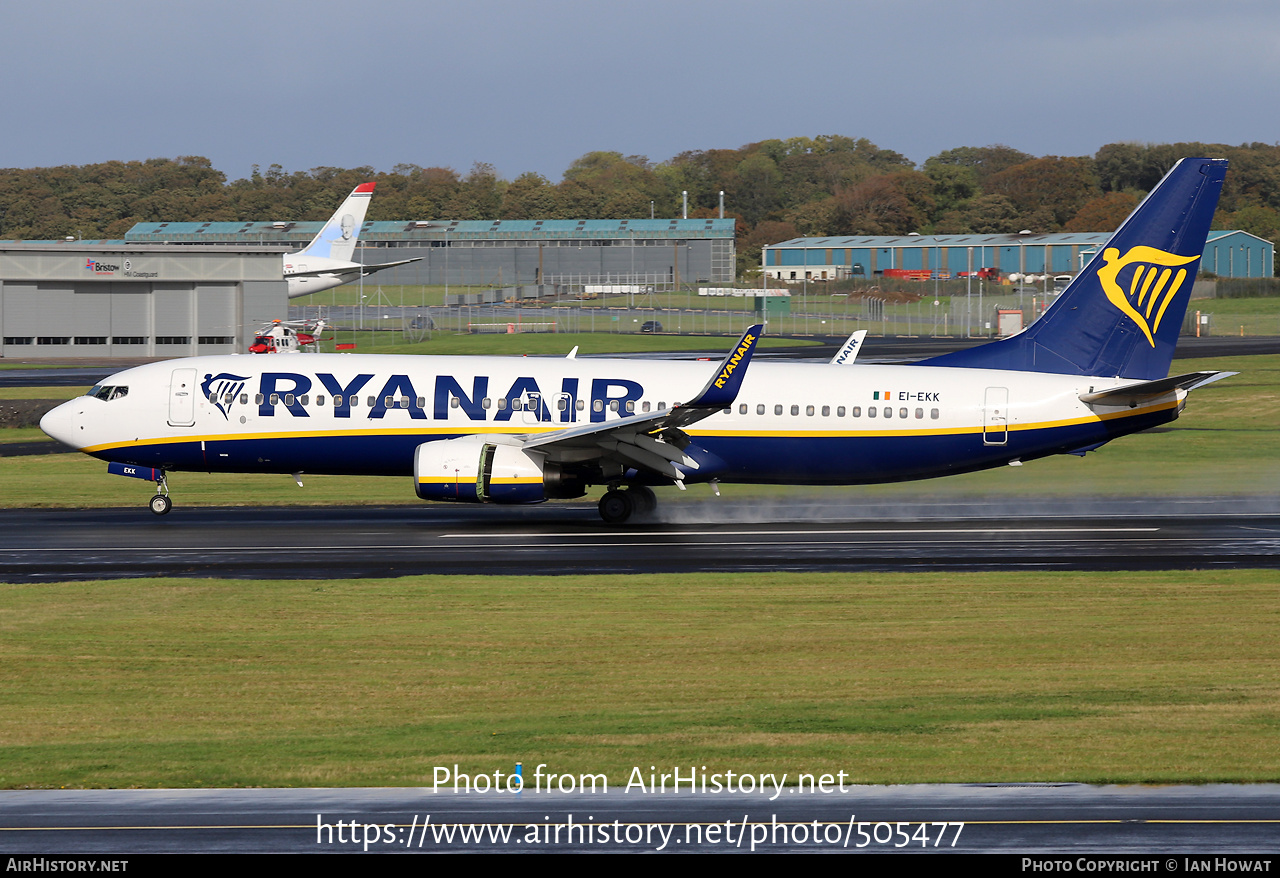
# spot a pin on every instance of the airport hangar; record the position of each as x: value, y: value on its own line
x: 1226, y: 254
x: 187, y: 289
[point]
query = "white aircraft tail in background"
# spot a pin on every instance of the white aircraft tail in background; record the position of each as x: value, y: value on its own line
x: 326, y: 262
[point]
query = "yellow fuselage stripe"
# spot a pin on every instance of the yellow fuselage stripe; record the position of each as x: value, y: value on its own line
x: 526, y: 429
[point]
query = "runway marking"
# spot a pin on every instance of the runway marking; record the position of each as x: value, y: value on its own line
x: 805, y: 532
x: 503, y: 545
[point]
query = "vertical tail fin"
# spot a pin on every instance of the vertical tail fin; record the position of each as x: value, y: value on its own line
x: 337, y: 240
x: 1122, y: 315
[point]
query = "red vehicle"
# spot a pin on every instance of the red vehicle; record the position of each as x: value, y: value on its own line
x: 992, y: 274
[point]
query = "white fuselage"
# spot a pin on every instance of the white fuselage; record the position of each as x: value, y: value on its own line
x: 791, y: 422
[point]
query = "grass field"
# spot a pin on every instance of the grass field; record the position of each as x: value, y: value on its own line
x: 559, y: 344
x: 891, y: 678
x: 1132, y: 677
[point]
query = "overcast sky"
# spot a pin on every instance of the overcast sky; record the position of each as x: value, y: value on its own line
x: 530, y: 86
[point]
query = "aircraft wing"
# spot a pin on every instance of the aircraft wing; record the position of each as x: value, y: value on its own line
x: 1133, y: 394
x: 653, y: 441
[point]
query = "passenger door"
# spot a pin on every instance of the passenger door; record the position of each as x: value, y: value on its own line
x: 182, y: 398
x: 995, y: 416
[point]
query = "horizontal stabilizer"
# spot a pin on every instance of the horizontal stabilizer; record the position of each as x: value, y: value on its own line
x: 353, y: 269
x: 1132, y: 394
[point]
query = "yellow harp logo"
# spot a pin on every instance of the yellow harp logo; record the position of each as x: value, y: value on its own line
x: 1152, y: 283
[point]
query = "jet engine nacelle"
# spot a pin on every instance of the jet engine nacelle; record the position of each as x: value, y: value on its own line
x: 488, y: 469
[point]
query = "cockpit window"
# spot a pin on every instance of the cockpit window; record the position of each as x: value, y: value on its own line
x: 107, y: 392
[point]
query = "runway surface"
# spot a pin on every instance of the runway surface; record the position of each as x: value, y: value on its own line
x: 1047, y: 819
x: 713, y: 535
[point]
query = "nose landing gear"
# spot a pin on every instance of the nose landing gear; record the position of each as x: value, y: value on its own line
x: 160, y: 503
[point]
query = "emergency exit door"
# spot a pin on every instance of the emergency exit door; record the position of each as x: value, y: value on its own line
x: 995, y: 416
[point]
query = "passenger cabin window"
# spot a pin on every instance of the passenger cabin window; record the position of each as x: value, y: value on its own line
x: 337, y: 399
x: 839, y: 411
x: 933, y: 413
x: 871, y: 411
x: 777, y: 409
x: 760, y: 409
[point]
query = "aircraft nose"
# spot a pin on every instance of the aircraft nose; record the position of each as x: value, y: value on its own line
x: 59, y: 423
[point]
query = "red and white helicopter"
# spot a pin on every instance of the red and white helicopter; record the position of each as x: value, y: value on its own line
x: 287, y: 337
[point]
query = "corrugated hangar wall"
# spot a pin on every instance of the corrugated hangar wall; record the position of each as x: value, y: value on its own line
x: 67, y: 301
x: 507, y: 263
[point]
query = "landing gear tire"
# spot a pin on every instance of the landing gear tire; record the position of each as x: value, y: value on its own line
x: 160, y: 504
x: 643, y: 500
x: 616, y: 507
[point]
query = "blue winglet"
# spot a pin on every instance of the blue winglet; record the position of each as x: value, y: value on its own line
x: 722, y: 389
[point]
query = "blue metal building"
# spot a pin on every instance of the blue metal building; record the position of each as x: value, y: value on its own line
x: 1226, y: 254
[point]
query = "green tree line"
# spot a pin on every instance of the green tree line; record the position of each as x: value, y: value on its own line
x: 774, y: 189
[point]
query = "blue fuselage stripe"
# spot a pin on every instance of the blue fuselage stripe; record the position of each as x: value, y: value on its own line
x: 742, y: 458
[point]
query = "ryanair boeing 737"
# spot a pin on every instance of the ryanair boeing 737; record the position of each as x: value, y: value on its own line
x: 522, y: 430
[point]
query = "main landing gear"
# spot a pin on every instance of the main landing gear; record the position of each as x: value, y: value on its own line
x: 160, y: 503
x: 616, y: 506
